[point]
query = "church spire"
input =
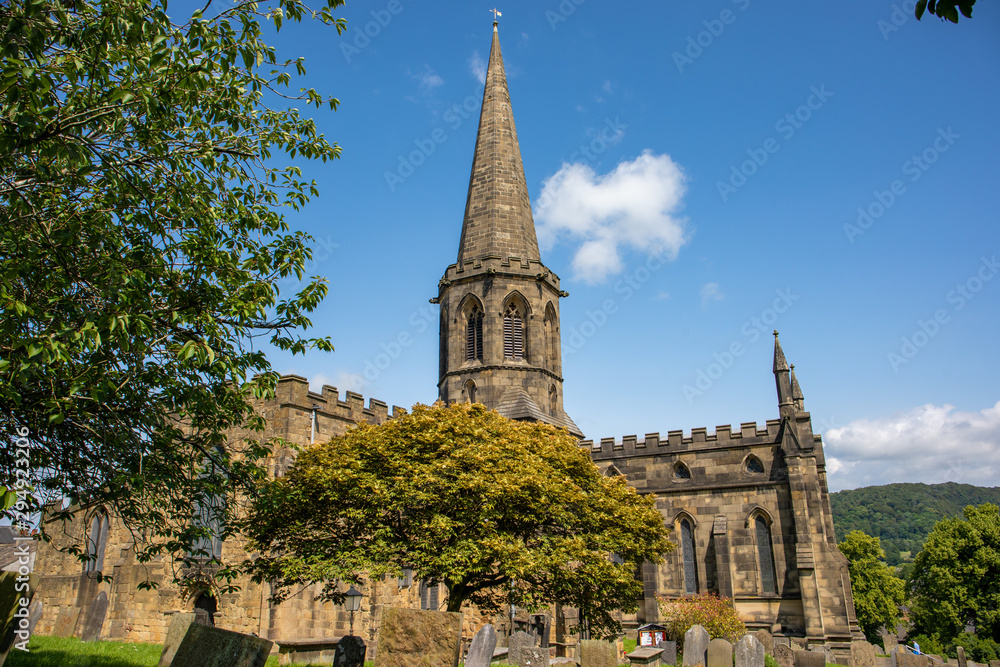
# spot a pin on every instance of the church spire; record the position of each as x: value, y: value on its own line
x: 498, y: 218
x: 797, y: 398
x: 782, y: 379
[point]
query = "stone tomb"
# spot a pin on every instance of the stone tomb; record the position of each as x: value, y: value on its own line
x: 530, y: 656
x: 862, y: 654
x: 415, y: 638
x: 749, y: 652
x: 646, y: 655
x: 695, y: 646
x: 484, y: 642
x: 94, y: 622
x: 810, y: 658
x: 350, y: 652
x: 720, y: 653
x: 595, y: 653
x: 205, y: 646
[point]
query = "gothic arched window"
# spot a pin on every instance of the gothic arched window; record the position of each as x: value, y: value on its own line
x: 474, y: 335
x: 553, y: 399
x: 754, y: 466
x: 470, y: 391
x: 765, y: 555
x: 97, y: 542
x: 551, y: 335
x: 687, y: 552
x: 513, y: 333
x: 681, y: 472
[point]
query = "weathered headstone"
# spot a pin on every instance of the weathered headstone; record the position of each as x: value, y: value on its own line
x: 646, y: 655
x: 906, y: 659
x: 518, y: 640
x: 414, y: 638
x: 749, y: 652
x: 94, y: 622
x: 533, y: 657
x: 994, y: 663
x: 484, y: 643
x: 695, y: 646
x: 178, y: 627
x: 15, y: 608
x: 766, y: 640
x: 810, y: 659
x: 206, y: 646
x: 720, y: 653
x: 350, y: 652
x: 862, y: 654
x: 889, y: 642
x: 784, y: 655
x: 961, y: 656
x: 595, y: 653
x: 34, y: 615
x: 669, y: 655
x: 65, y: 621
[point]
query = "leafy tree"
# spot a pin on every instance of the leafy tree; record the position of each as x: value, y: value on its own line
x: 945, y: 9
x: 956, y: 577
x: 497, y: 510
x: 878, y: 594
x: 716, y: 614
x: 143, y: 236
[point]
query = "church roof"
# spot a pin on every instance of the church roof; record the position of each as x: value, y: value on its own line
x: 498, y: 217
x: 517, y: 404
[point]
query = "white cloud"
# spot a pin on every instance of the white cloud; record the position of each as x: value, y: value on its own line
x: 478, y: 67
x: 662, y: 295
x: 427, y: 78
x: 930, y: 444
x: 343, y: 382
x: 711, y: 292
x: 635, y: 206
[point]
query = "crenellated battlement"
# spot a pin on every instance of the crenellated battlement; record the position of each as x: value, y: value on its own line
x: 699, y: 438
x: 500, y: 265
x: 293, y: 392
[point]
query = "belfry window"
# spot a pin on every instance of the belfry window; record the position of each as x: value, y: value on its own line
x: 513, y: 333
x: 687, y: 551
x: 474, y: 335
x: 765, y: 556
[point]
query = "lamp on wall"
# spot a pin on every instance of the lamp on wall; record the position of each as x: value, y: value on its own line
x: 353, y: 603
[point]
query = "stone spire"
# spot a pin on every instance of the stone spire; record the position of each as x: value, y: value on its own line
x: 782, y: 379
x: 797, y: 398
x: 498, y: 218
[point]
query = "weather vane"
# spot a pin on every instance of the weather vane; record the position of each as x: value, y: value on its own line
x: 496, y: 14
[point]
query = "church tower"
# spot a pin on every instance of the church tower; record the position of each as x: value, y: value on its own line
x: 500, y: 340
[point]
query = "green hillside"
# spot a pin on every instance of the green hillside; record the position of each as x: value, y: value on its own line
x: 902, y: 515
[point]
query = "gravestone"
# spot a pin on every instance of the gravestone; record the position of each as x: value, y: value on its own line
x: 784, y: 655
x: 906, y: 659
x: 178, y: 627
x: 889, y: 642
x: 518, y: 640
x: 646, y: 655
x: 766, y: 640
x: 595, y: 653
x: 206, y: 646
x: 669, y: 655
x: 94, y: 622
x: 749, y: 652
x: 695, y: 646
x: 532, y: 657
x: 350, y: 652
x: 862, y: 654
x: 720, y: 653
x: 414, y: 638
x: 65, y: 622
x: 484, y: 643
x: 14, y: 614
x: 34, y: 615
x: 810, y: 659
x: 994, y: 663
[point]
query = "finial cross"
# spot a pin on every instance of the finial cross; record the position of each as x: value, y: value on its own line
x: 496, y: 14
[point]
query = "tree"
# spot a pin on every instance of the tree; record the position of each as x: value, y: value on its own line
x: 143, y: 236
x: 956, y: 577
x: 945, y: 9
x: 497, y: 510
x: 716, y: 614
x: 877, y: 593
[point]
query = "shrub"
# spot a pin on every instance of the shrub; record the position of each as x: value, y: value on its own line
x: 978, y: 649
x: 716, y: 614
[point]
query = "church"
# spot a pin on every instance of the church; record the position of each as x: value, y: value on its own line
x: 749, y: 507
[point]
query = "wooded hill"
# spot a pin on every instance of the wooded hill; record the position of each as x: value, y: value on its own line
x: 902, y: 515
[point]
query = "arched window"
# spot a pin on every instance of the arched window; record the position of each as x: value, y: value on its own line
x: 681, y: 472
x: 429, y: 598
x: 765, y: 555
x: 687, y: 553
x: 97, y: 542
x: 551, y: 335
x: 470, y: 391
x: 474, y: 334
x: 207, y: 517
x: 513, y: 332
x: 553, y: 399
x: 209, y: 605
x: 753, y: 465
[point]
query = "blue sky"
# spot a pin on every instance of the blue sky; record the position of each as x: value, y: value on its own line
x: 830, y: 172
